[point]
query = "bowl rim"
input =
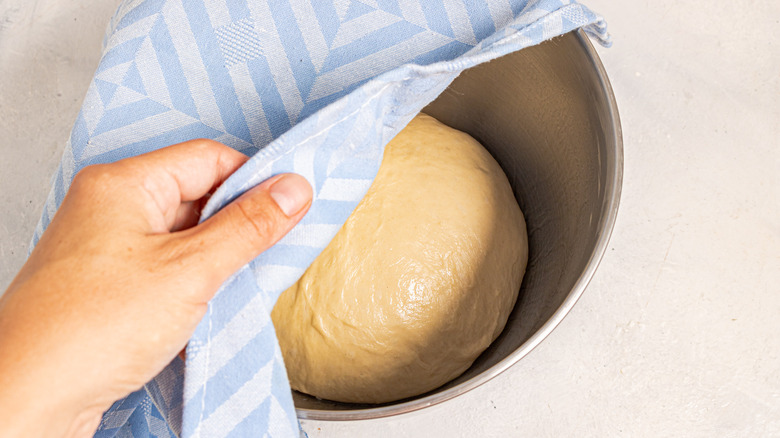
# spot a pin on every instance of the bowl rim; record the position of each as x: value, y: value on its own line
x: 614, y: 172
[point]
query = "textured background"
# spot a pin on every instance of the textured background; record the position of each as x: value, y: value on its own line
x: 677, y: 333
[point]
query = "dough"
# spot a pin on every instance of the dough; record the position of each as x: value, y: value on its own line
x: 419, y: 280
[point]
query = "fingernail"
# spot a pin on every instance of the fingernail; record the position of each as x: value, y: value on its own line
x: 291, y: 193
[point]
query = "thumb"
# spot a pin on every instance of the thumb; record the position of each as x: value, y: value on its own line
x: 250, y: 224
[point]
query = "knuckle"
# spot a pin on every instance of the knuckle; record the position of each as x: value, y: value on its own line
x: 262, y: 223
x: 205, y: 144
x: 179, y: 257
x: 89, y: 173
x: 94, y: 176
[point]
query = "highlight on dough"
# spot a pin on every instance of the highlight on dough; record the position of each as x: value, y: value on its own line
x: 419, y: 280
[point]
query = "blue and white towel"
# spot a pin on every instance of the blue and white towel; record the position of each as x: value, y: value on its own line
x: 312, y: 87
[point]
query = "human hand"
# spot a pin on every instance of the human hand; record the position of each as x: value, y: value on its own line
x: 121, y: 278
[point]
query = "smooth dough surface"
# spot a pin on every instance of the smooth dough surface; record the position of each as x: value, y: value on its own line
x: 419, y: 280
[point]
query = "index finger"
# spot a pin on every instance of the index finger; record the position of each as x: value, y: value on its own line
x: 183, y: 172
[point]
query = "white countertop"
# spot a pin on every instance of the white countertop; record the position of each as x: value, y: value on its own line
x: 677, y: 334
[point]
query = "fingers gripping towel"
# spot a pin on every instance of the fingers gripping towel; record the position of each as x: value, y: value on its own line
x: 316, y: 88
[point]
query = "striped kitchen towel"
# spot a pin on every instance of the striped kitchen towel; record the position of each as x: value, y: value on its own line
x: 312, y: 87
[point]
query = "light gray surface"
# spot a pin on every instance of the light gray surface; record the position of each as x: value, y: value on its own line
x: 677, y: 334
x: 48, y: 52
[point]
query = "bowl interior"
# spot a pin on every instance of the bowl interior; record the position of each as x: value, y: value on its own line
x: 547, y: 115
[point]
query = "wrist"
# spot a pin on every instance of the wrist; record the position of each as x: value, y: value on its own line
x: 37, y: 398
x: 39, y: 418
x: 32, y: 404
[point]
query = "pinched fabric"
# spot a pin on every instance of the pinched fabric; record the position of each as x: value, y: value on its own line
x: 312, y: 87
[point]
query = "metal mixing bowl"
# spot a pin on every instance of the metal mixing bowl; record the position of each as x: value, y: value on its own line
x: 548, y: 116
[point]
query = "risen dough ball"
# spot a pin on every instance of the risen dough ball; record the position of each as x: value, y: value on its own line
x: 419, y: 280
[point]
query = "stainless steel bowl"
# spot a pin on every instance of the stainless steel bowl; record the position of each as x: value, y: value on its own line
x: 548, y: 116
